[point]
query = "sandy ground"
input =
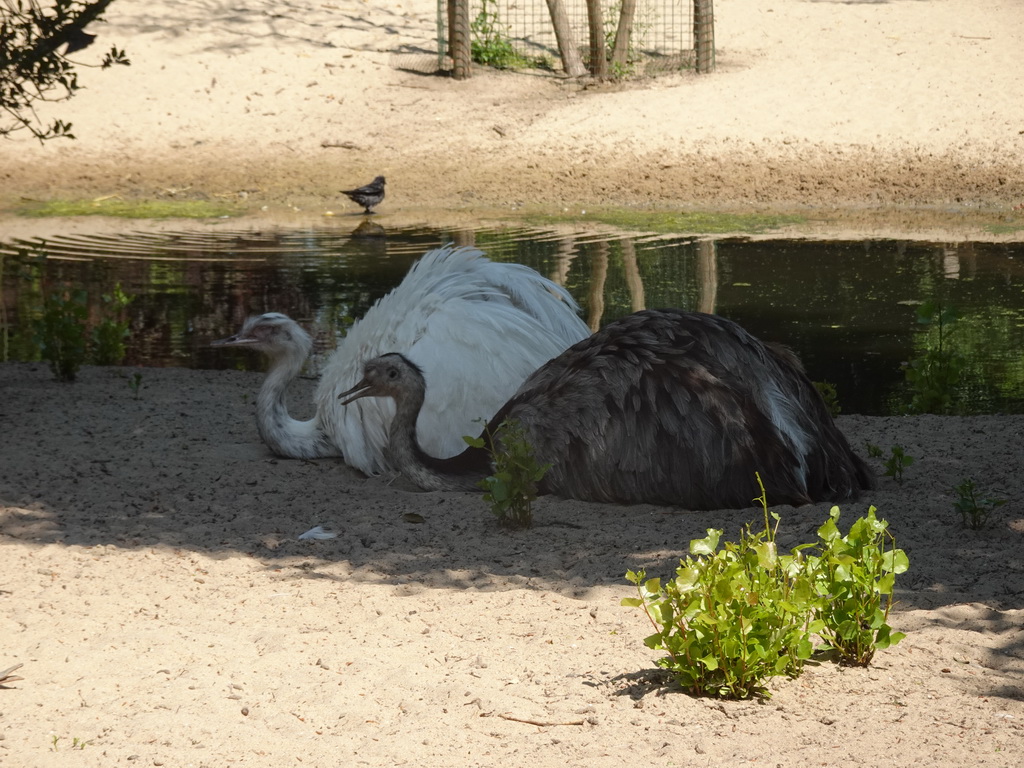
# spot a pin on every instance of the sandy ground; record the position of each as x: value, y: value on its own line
x: 902, y: 116
x: 165, y: 612
x: 153, y: 585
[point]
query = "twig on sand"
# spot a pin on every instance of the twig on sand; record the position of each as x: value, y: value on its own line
x: 540, y: 723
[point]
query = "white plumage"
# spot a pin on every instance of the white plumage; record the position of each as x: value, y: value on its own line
x: 476, y: 327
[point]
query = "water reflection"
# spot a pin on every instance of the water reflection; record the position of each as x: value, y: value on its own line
x: 848, y: 308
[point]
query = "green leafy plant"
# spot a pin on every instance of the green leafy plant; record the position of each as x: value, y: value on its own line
x: 897, y: 462
x: 935, y: 373
x: 732, y: 616
x: 490, y: 45
x: 512, y: 489
x: 855, y: 574
x: 974, y: 511
x: 109, y: 334
x: 739, y: 613
x: 61, y: 332
x: 64, y: 339
x: 830, y: 395
x: 34, y: 45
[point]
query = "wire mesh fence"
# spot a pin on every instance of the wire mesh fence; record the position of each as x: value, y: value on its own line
x: 661, y: 38
x: 521, y: 34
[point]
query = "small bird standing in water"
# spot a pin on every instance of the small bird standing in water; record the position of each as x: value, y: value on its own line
x: 368, y: 196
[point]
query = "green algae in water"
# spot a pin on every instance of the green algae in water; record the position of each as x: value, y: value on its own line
x: 698, y: 222
x: 130, y: 209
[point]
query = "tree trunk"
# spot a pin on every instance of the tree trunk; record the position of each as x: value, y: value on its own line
x: 620, y: 54
x: 571, y: 61
x: 598, y: 54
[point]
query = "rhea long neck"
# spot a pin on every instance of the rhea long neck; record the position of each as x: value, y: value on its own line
x: 458, y: 473
x: 284, y: 435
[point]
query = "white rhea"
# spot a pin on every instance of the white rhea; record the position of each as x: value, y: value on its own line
x: 663, y: 406
x: 477, y: 327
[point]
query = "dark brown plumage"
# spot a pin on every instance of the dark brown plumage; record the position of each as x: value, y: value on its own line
x: 663, y: 406
x: 368, y: 196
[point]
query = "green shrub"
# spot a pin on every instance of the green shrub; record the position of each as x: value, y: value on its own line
x: 109, y: 334
x: 61, y: 332
x: 490, y: 45
x: 855, y: 574
x: 733, y: 616
x: 739, y: 613
x: 64, y: 339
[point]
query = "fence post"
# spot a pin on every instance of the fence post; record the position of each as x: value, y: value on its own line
x: 704, y: 35
x: 459, y: 44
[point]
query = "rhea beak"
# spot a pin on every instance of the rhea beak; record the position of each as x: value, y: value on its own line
x: 233, y: 341
x: 362, y: 389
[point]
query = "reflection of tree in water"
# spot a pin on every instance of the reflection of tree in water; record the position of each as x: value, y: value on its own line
x: 977, y: 282
x: 600, y: 255
x: 707, y: 276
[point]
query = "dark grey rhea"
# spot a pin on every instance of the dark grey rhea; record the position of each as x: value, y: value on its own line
x: 663, y: 406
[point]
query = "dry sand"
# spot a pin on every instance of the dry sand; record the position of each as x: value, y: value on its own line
x: 153, y: 585
x: 165, y: 612
x: 904, y: 115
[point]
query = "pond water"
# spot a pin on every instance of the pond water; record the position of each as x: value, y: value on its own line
x: 849, y: 308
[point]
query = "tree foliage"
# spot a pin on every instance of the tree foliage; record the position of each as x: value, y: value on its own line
x: 35, y: 42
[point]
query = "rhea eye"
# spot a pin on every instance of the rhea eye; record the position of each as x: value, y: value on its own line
x: 392, y: 373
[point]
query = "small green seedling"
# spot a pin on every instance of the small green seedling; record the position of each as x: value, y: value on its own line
x: 898, y: 460
x: 76, y: 743
x: 134, y: 384
x: 512, y: 489
x: 974, y: 511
